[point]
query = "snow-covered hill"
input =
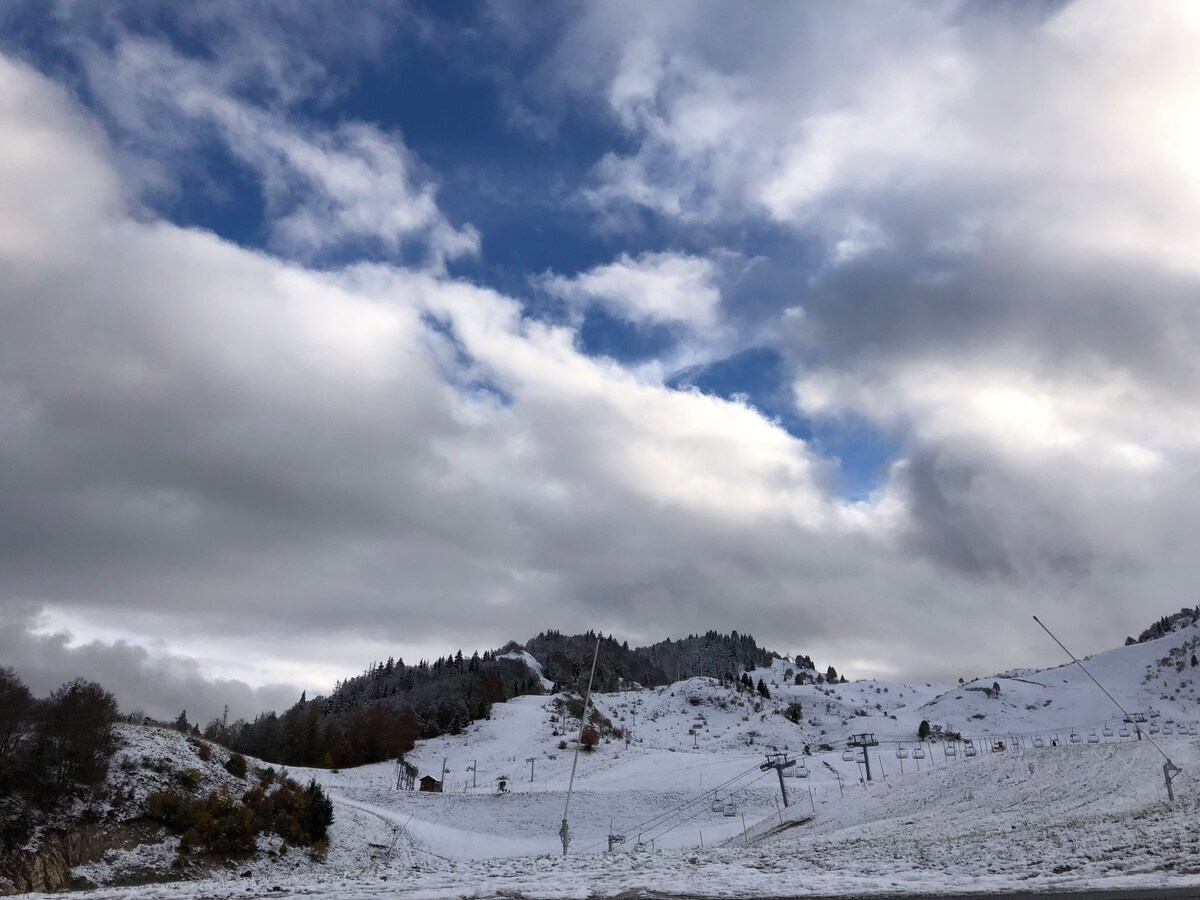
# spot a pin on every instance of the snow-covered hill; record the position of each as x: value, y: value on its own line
x: 679, y: 782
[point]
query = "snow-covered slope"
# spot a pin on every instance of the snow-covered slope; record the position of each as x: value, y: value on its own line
x: 683, y: 769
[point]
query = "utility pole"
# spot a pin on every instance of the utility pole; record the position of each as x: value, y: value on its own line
x: 530, y: 761
x: 565, y: 832
x: 471, y: 769
x: 778, y: 762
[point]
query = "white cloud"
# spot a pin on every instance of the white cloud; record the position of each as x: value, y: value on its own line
x: 324, y: 188
x: 654, y: 287
x: 198, y: 434
x: 1081, y: 125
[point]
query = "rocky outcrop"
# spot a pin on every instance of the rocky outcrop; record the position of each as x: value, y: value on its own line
x: 49, y: 868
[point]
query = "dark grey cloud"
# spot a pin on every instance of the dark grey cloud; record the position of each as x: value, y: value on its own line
x: 157, y: 684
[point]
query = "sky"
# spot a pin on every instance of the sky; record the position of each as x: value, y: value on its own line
x: 330, y: 334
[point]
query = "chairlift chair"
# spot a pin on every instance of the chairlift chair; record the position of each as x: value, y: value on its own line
x: 1168, y: 729
x: 901, y: 753
x: 1124, y: 732
x: 730, y: 809
x: 1154, y: 729
x: 802, y: 771
x: 951, y: 750
x: 1093, y: 738
x: 1108, y: 732
x: 968, y: 748
x: 1039, y: 742
x: 848, y: 755
x: 717, y: 805
x: 1075, y: 738
x: 918, y: 752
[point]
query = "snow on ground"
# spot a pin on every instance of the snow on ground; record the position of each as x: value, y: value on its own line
x: 1029, y: 817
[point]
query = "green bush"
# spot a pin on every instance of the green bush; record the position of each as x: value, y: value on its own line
x: 236, y: 766
x: 220, y: 825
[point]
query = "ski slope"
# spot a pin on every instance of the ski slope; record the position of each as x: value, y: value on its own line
x: 1030, y: 817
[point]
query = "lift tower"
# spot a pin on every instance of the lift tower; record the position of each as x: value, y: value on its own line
x: 779, y: 762
x: 864, y: 741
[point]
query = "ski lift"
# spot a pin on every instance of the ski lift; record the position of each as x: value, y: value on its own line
x: 848, y: 755
x: 968, y: 748
x: 730, y: 809
x: 1124, y: 732
x: 1108, y: 732
x: 1194, y: 728
x: 951, y: 750
x: 1093, y: 738
x: 901, y: 753
x: 918, y: 752
x: 1075, y: 738
x: 1039, y: 742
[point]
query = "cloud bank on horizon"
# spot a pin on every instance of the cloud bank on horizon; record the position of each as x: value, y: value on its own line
x: 868, y: 329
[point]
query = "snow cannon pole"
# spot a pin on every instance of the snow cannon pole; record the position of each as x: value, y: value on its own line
x: 565, y: 832
x: 1170, y: 770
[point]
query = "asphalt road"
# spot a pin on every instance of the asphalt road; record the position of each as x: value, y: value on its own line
x: 1164, y: 893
